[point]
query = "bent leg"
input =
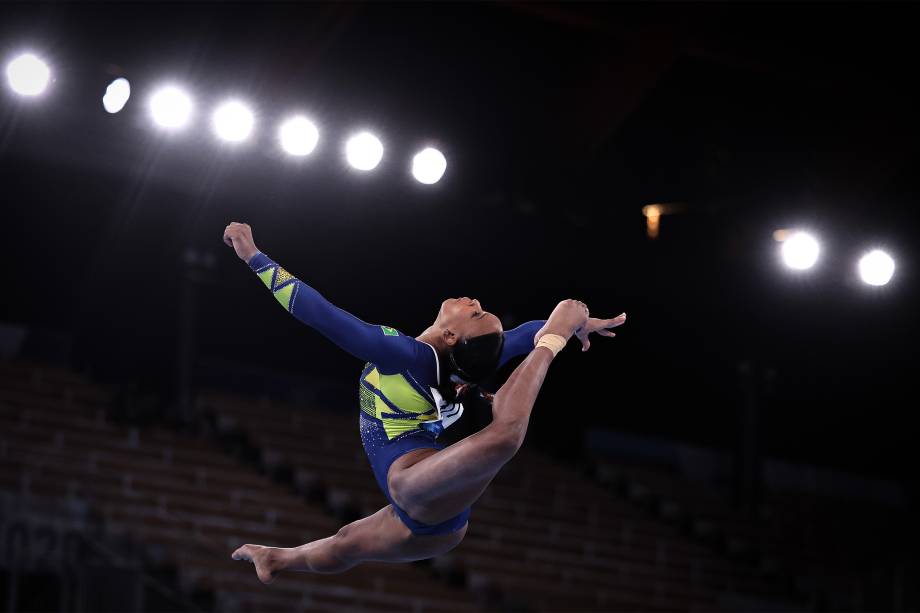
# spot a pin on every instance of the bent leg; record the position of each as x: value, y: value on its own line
x: 381, y: 537
x: 433, y: 486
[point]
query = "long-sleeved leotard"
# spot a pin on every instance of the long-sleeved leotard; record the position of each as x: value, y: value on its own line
x: 400, y: 409
x: 383, y: 346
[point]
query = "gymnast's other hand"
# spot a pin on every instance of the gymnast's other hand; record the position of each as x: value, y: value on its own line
x: 239, y: 236
x: 566, y: 319
x: 601, y: 326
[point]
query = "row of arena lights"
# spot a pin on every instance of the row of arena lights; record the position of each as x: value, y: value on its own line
x: 800, y: 251
x: 172, y: 109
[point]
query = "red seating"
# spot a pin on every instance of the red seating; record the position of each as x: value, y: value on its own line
x: 186, y: 497
x: 536, y: 522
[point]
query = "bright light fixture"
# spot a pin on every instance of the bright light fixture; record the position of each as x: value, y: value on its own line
x: 800, y: 251
x: 876, y: 267
x: 428, y: 166
x: 364, y: 151
x: 170, y: 107
x: 116, y: 95
x: 233, y: 121
x: 28, y: 75
x: 298, y: 136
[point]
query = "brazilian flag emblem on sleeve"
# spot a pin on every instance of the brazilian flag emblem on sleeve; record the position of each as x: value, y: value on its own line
x: 388, y: 331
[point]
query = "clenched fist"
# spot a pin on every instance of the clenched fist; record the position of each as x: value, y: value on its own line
x: 239, y: 236
x: 568, y: 317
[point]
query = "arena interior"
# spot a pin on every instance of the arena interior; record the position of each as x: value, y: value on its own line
x: 738, y: 178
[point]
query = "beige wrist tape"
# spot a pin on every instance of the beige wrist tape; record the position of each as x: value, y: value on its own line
x: 553, y: 342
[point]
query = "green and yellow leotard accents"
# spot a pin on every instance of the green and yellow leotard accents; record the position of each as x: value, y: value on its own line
x: 280, y: 282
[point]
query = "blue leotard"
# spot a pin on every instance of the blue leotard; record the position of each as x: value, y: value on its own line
x: 398, y: 410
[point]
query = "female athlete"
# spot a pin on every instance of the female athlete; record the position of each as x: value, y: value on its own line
x: 407, y: 397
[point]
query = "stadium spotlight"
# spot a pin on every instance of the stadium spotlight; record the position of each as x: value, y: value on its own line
x: 364, y: 151
x: 428, y: 166
x: 800, y: 250
x: 298, y: 136
x: 170, y: 107
x: 233, y: 121
x: 876, y: 267
x: 28, y: 75
x: 116, y: 95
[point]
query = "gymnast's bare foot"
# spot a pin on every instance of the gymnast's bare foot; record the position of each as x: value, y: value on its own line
x: 266, y: 560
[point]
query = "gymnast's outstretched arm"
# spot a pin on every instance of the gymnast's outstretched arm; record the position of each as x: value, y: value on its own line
x: 390, y: 351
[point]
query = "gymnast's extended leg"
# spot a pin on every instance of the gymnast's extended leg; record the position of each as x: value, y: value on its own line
x: 381, y: 537
x: 432, y: 486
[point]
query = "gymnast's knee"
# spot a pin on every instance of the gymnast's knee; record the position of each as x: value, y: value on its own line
x: 504, y: 438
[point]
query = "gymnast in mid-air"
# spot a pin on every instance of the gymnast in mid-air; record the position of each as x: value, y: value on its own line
x: 408, y: 393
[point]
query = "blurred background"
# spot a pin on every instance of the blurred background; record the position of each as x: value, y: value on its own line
x: 744, y: 443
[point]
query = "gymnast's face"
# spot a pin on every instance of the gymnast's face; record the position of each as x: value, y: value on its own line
x: 464, y: 317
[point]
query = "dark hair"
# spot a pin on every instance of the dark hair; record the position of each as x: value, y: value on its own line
x: 474, y: 359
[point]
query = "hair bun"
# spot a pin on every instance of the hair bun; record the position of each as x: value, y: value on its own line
x: 476, y: 358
